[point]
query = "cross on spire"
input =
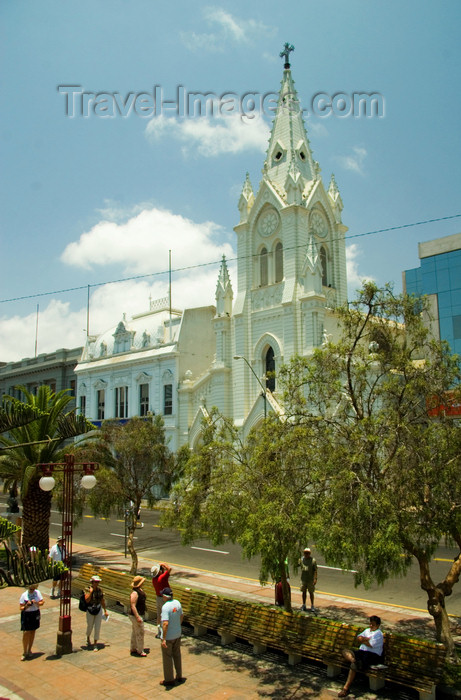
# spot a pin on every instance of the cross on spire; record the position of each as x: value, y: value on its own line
x: 286, y: 54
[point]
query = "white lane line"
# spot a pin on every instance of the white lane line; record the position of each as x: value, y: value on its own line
x: 204, y: 549
x: 57, y: 524
x: 116, y: 534
x: 336, y: 568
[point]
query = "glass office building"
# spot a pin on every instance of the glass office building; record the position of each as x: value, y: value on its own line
x: 439, y: 277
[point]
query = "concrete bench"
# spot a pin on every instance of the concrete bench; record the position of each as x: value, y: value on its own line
x: 415, y: 663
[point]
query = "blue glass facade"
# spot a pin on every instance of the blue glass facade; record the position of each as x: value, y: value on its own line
x: 441, y: 275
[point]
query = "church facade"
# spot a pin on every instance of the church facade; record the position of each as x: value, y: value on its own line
x: 291, y: 274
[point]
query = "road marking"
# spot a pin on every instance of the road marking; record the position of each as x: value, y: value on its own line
x: 57, y: 524
x: 336, y: 568
x: 116, y: 534
x: 204, y: 549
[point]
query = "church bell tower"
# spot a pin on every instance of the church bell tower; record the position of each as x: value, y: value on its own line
x: 291, y: 257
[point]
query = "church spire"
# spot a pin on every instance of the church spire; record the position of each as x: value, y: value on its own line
x: 224, y: 293
x: 247, y: 199
x: 289, y: 156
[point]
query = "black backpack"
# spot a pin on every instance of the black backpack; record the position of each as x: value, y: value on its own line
x: 82, y: 604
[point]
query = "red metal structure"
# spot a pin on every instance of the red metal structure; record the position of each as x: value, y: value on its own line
x: 68, y: 468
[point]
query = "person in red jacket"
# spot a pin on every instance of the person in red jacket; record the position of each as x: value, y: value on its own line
x: 160, y: 577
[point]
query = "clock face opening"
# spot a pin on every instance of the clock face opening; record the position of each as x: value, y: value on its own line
x: 268, y: 222
x: 318, y: 224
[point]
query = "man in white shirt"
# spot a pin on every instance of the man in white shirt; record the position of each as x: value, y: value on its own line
x: 56, y: 553
x: 172, y: 617
x: 369, y: 653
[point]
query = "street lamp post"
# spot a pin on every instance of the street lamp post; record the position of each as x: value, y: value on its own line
x: 47, y: 482
x: 241, y: 357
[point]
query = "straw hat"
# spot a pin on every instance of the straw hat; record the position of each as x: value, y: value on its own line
x: 137, y: 582
x: 155, y: 570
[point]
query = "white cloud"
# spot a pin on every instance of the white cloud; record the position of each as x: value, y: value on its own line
x: 212, y: 137
x: 138, y: 244
x: 354, y: 278
x: 59, y: 326
x: 224, y: 27
x: 355, y: 161
x: 141, y: 244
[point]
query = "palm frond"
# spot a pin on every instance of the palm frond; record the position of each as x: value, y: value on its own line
x: 71, y: 425
x: 15, y: 414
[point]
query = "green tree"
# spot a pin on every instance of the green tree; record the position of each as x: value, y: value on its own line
x: 40, y: 441
x: 388, y: 487
x: 255, y: 493
x: 134, y: 462
x: 14, y: 414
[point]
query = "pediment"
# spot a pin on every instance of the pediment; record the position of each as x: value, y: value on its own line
x: 100, y: 384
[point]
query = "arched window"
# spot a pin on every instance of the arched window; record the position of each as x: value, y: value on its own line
x: 270, y: 367
x: 263, y: 268
x: 279, y: 262
x: 324, y: 264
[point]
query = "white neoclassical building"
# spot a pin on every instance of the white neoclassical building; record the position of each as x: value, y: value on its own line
x: 291, y: 274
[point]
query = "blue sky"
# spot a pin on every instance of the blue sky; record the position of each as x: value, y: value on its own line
x: 87, y: 200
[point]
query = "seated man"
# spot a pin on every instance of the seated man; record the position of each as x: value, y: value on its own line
x: 368, y: 654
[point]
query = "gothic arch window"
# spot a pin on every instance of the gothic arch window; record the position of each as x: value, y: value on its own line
x: 324, y: 264
x: 270, y: 367
x: 279, y: 262
x: 263, y: 271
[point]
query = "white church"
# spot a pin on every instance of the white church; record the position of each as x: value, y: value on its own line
x: 291, y: 274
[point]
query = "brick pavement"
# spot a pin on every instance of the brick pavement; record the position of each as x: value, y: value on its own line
x: 213, y: 672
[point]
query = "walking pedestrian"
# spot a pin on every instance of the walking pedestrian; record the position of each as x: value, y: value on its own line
x: 30, y: 603
x: 308, y: 578
x: 56, y: 554
x: 94, y: 598
x: 172, y: 617
x: 137, y: 610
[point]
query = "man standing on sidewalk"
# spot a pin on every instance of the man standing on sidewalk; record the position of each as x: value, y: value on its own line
x: 172, y: 617
x: 160, y: 580
x: 308, y: 578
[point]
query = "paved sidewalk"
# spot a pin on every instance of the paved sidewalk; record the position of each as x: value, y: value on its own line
x: 213, y: 672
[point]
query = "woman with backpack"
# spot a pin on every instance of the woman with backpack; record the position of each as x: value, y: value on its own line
x: 94, y: 598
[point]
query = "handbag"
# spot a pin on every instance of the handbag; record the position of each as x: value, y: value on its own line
x: 82, y: 604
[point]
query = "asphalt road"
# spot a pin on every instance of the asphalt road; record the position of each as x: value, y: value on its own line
x: 155, y: 543
x: 165, y: 545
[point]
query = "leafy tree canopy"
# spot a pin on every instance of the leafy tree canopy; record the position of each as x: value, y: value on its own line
x: 135, y: 465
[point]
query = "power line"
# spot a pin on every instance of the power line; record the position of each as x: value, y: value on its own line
x: 215, y: 262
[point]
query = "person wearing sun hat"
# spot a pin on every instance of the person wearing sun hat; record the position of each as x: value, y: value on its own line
x: 55, y: 554
x: 172, y: 617
x: 137, y: 610
x: 308, y: 578
x: 94, y: 598
x: 160, y: 580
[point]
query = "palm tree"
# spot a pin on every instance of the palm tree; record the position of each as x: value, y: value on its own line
x: 40, y: 441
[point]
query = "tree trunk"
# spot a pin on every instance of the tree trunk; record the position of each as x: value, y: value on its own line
x: 131, y: 549
x: 36, y: 508
x: 436, y: 595
x: 286, y: 591
x: 436, y: 608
